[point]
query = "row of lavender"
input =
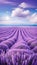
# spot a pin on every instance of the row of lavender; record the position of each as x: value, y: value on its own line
x: 18, y: 46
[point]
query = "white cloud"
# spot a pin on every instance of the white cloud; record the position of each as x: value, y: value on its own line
x: 27, y: 19
x: 11, y: 21
x: 18, y: 12
x: 5, y: 18
x: 26, y: 12
x: 26, y: 5
x: 33, y: 18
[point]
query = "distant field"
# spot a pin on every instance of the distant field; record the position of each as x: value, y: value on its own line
x: 18, y: 45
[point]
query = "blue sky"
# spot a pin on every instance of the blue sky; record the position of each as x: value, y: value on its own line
x: 18, y: 12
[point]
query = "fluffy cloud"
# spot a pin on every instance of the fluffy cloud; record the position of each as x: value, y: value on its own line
x: 9, y: 20
x: 19, y: 15
x: 20, y: 12
x: 33, y: 18
x: 26, y: 5
x: 27, y: 18
x: 26, y: 14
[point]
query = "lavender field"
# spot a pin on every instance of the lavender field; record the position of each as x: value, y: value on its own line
x: 18, y: 45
